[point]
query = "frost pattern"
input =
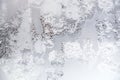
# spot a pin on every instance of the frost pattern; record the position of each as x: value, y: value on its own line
x: 41, y: 37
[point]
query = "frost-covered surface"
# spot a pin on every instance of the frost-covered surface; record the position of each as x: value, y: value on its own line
x: 60, y: 40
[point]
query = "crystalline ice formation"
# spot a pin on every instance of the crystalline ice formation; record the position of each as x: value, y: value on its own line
x: 60, y: 16
x: 60, y: 40
x: 72, y: 50
x: 56, y: 58
x: 106, y: 5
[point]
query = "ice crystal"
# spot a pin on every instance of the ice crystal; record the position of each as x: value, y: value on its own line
x: 44, y: 39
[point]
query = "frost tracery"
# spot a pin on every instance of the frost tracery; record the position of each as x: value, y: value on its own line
x: 40, y: 38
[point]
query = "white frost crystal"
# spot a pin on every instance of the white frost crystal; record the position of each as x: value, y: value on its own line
x: 39, y: 47
x: 52, y: 55
x: 67, y: 15
x: 72, y: 50
x: 44, y: 39
x: 106, y: 5
x: 56, y: 58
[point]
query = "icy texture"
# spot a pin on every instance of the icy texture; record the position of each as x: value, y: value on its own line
x: 59, y: 40
x: 61, y: 16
